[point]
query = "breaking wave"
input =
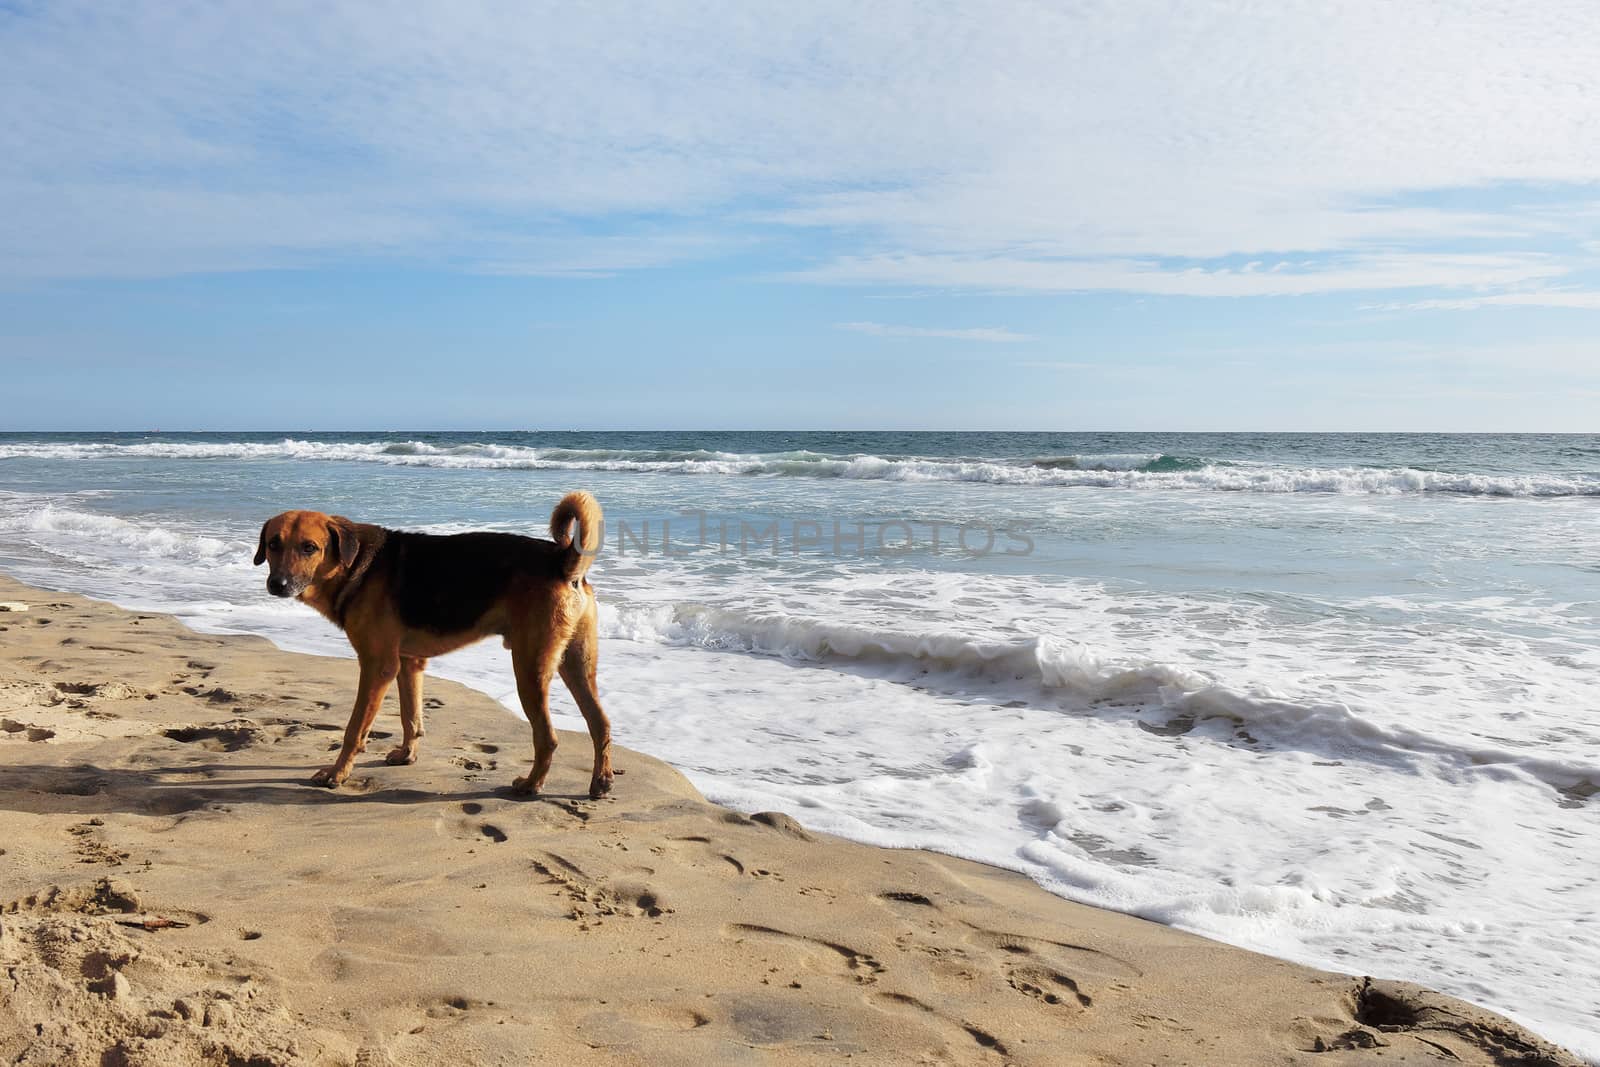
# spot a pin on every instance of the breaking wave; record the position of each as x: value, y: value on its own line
x: 65, y: 530
x: 1164, y: 698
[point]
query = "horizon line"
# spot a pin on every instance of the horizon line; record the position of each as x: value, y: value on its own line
x: 817, y: 430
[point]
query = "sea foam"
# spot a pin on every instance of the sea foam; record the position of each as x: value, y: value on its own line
x: 1173, y: 699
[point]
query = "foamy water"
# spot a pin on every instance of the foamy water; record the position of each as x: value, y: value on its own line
x: 1130, y: 470
x: 1334, y: 699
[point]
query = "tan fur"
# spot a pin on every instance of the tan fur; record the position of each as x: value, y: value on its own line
x: 548, y: 624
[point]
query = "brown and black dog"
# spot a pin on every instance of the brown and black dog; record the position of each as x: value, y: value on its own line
x: 403, y: 597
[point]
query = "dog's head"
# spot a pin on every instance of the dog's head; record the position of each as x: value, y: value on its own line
x: 306, y: 549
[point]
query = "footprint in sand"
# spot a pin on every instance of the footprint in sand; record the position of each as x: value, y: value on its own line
x: 1060, y: 956
x: 216, y: 695
x: 1035, y: 967
x: 1053, y: 972
x: 859, y: 966
x: 1051, y: 987
x: 900, y: 896
x: 223, y: 737
x: 594, y: 899
x: 668, y: 1017
x: 701, y: 852
x: 454, y: 1007
x: 89, y: 848
x: 544, y: 802
x: 572, y: 870
x: 903, y: 1003
x: 373, y: 1056
x: 608, y: 1029
x: 931, y: 934
x: 476, y: 830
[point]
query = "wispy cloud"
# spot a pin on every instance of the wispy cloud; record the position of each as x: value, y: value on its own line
x: 1048, y: 148
x: 988, y: 335
x: 1588, y: 300
x: 1276, y: 278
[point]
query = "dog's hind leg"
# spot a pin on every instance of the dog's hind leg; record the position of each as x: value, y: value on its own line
x: 578, y: 671
x: 534, y: 658
x: 410, y: 711
x: 376, y: 674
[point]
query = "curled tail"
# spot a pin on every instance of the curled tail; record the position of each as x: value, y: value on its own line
x: 583, y: 509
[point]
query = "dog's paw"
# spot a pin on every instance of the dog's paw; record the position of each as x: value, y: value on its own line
x: 599, y: 786
x: 525, y: 786
x: 400, y: 757
x: 330, y: 777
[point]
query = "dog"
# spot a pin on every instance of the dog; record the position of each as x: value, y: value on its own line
x: 402, y: 598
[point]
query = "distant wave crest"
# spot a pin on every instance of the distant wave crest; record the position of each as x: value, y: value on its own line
x: 1109, y: 471
x: 1145, y: 463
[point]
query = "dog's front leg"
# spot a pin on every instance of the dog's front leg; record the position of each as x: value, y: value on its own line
x: 376, y: 674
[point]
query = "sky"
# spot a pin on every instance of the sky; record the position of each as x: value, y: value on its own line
x: 1220, y: 215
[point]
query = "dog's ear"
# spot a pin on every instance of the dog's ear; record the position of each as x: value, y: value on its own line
x: 261, y: 545
x: 342, y: 539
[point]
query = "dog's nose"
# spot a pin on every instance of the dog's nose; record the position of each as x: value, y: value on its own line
x: 278, y: 586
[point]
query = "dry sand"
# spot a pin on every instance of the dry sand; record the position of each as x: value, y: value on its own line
x: 172, y: 891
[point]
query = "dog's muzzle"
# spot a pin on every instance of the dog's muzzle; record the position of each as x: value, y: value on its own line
x: 279, y: 586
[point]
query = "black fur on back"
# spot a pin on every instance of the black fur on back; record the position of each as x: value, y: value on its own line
x: 445, y: 583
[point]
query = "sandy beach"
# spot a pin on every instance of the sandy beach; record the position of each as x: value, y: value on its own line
x: 172, y: 891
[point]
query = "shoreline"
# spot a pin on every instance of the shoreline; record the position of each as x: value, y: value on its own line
x: 154, y: 774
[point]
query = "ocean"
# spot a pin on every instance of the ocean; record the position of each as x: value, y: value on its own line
x: 1335, y: 698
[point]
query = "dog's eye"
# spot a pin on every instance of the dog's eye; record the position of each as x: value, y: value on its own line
x: 274, y: 544
x: 308, y: 549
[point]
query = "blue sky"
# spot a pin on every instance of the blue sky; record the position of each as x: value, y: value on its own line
x: 1044, y: 216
